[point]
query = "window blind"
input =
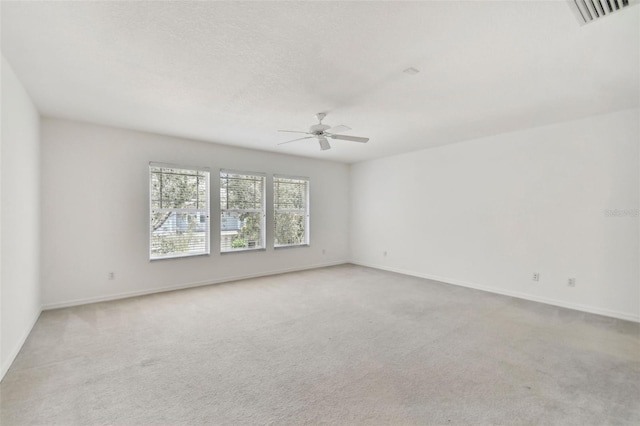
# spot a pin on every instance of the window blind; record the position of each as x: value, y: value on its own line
x: 242, y: 211
x: 179, y: 211
x: 291, y: 211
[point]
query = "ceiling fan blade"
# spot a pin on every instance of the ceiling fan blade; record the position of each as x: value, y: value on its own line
x: 324, y: 144
x: 293, y: 131
x: 294, y: 140
x: 350, y: 138
x: 339, y: 129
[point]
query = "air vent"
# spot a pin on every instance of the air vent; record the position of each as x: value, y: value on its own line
x: 591, y: 10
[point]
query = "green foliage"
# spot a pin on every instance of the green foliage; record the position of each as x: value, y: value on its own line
x: 176, y: 243
x: 187, y: 235
x: 163, y: 245
x: 250, y: 230
x: 289, y: 228
x: 238, y: 243
x: 290, y: 204
x: 244, y: 192
x: 177, y: 189
x: 241, y: 191
x: 290, y: 194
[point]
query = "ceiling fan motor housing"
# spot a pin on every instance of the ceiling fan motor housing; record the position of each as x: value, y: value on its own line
x: 318, y: 129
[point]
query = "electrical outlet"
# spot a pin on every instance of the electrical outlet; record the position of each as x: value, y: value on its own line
x: 112, y: 275
x: 571, y: 282
x: 536, y: 276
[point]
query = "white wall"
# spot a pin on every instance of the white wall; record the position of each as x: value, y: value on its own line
x: 488, y: 213
x: 19, y: 217
x: 95, y: 211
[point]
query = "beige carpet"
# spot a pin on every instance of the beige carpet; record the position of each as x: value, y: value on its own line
x: 340, y: 345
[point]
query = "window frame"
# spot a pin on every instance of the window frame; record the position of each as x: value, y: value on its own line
x: 263, y: 211
x: 206, y: 210
x: 307, y: 211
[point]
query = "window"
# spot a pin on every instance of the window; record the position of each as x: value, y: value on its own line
x: 179, y: 213
x: 291, y: 210
x: 242, y: 212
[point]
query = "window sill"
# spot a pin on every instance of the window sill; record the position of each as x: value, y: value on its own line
x: 291, y: 246
x: 177, y: 256
x: 244, y: 250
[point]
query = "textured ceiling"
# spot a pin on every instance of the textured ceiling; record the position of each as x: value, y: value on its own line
x: 235, y: 72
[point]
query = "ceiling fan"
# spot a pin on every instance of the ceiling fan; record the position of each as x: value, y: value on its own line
x: 322, y: 132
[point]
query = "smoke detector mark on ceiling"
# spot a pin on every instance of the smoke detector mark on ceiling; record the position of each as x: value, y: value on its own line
x: 587, y: 11
x: 411, y: 71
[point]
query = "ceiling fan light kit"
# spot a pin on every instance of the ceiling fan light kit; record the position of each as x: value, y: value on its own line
x: 322, y: 132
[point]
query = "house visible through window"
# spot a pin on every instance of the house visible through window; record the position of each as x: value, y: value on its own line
x: 291, y: 211
x: 179, y: 211
x: 242, y: 211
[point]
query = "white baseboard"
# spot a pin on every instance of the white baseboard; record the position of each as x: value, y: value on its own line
x: 519, y: 295
x: 14, y: 353
x: 125, y: 295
